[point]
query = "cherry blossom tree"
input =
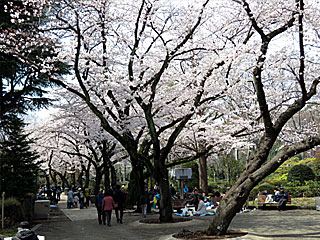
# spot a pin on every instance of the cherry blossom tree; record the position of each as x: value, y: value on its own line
x: 150, y: 70
x: 133, y: 99
x: 285, y: 80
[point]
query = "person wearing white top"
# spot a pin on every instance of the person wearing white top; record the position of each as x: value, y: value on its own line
x: 201, y: 207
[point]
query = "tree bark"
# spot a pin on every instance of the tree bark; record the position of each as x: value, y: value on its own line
x: 98, y: 180
x: 228, y: 208
x: 258, y: 169
x: 165, y: 201
x: 113, y: 176
x: 203, y: 174
x: 136, y: 186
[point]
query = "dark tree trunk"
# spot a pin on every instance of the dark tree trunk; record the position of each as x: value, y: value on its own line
x: 203, y: 174
x: 165, y: 200
x: 98, y: 180
x: 80, y: 180
x: 136, y: 186
x: 87, y: 172
x: 228, y: 208
x: 106, y: 175
x: 113, y: 176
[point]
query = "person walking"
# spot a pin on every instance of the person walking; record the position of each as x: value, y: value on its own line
x: 81, y: 198
x: 70, y: 199
x: 119, y: 198
x: 87, y: 196
x: 143, y: 204
x: 98, y: 203
x: 59, y: 191
x: 107, y: 207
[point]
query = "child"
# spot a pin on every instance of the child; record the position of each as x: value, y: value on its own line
x: 76, y: 200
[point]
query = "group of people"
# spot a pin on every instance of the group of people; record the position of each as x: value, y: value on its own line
x: 78, y: 196
x: 110, y: 200
x: 51, y: 193
x: 281, y: 197
x: 200, y: 200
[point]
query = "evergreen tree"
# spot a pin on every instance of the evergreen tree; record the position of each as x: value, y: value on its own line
x: 18, y: 166
x: 23, y: 58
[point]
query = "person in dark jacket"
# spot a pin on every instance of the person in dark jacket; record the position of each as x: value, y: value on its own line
x: 195, y: 198
x: 283, y: 199
x: 119, y: 198
x: 98, y: 203
x: 24, y: 233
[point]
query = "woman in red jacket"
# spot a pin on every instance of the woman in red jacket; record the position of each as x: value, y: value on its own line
x: 107, y: 207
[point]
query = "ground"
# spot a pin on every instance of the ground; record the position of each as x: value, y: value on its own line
x: 262, y: 224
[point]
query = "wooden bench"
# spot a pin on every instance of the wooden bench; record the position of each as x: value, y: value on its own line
x: 262, y: 201
x: 179, y: 203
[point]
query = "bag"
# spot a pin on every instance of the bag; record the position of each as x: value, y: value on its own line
x: 115, y: 205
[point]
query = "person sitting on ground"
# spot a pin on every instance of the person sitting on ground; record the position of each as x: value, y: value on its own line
x: 201, y: 207
x: 172, y: 191
x: 195, y: 198
x: 24, y: 232
x: 216, y: 193
x: 283, y: 199
x: 204, y: 197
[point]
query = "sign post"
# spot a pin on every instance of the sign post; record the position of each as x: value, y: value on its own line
x: 2, y: 211
x: 182, y: 174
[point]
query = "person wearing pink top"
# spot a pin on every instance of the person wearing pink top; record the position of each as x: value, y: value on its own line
x: 107, y: 207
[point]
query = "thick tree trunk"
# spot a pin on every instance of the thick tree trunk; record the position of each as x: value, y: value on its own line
x: 229, y: 206
x: 113, y: 177
x: 165, y: 201
x: 87, y: 172
x: 80, y: 180
x: 203, y: 174
x: 136, y: 186
x: 98, y: 181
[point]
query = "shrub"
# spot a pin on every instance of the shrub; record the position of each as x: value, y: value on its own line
x: 12, y: 211
x: 300, y: 173
x: 10, y: 202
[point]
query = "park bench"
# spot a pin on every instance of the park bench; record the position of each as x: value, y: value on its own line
x: 262, y: 201
x: 178, y: 203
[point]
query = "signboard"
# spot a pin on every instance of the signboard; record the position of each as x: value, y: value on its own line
x: 181, y: 173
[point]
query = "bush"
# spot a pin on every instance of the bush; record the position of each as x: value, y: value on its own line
x: 12, y: 211
x: 300, y: 173
x: 311, y: 189
x: 10, y: 202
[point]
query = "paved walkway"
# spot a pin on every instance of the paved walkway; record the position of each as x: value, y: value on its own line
x: 262, y: 224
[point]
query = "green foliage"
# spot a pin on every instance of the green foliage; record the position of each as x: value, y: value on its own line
x: 11, y: 201
x: 10, y: 229
x: 233, y: 168
x: 279, y: 177
x: 300, y: 174
x: 18, y: 169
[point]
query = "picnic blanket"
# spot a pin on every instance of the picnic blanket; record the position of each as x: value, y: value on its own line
x: 201, y: 215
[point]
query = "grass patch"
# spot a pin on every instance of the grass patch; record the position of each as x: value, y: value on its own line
x: 10, y: 231
x: 304, y: 201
